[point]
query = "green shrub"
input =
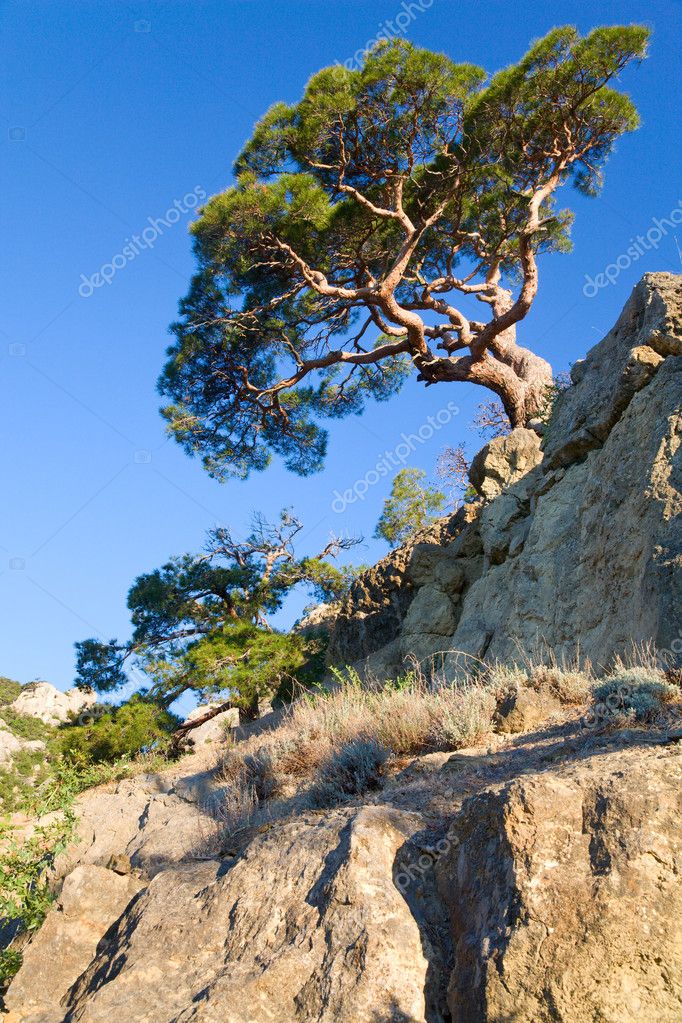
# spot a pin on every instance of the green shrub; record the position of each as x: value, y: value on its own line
x: 135, y: 727
x: 25, y: 726
x: 9, y: 690
x: 635, y: 693
x: 351, y: 770
x: 25, y: 893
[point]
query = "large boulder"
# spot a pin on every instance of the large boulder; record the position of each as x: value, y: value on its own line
x: 216, y: 729
x: 91, y: 900
x: 42, y: 700
x: 307, y: 924
x: 503, y: 461
x: 564, y: 896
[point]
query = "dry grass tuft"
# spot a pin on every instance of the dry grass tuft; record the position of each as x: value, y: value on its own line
x: 335, y: 745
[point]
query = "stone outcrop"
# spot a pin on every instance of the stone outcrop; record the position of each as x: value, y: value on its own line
x: 91, y: 900
x: 11, y: 744
x: 575, y: 548
x: 42, y: 700
x: 535, y: 881
x: 214, y: 730
x: 564, y: 896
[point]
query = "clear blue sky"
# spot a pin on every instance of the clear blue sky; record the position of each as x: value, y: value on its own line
x: 112, y: 111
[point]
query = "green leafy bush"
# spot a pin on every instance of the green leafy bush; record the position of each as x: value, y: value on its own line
x: 25, y: 893
x: 25, y: 726
x: 138, y: 726
x: 9, y: 690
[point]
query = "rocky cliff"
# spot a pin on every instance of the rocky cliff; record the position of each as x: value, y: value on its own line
x: 576, y: 545
x: 525, y: 872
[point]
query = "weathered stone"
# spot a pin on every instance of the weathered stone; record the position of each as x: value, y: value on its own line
x: 217, y: 729
x: 92, y: 899
x: 524, y: 709
x: 319, y: 933
x: 423, y: 564
x: 42, y: 700
x: 430, y: 611
x: 371, y: 616
x: 11, y: 744
x: 615, y: 369
x: 504, y: 460
x: 550, y: 896
x: 564, y: 896
x: 153, y: 820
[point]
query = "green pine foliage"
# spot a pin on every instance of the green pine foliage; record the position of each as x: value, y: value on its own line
x: 117, y: 733
x: 410, y: 507
x: 201, y: 622
x: 339, y: 262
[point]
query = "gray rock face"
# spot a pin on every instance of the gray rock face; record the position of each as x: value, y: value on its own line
x: 577, y: 548
x: 320, y: 933
x: 215, y: 730
x: 564, y: 898
x: 10, y: 744
x: 91, y: 900
x: 503, y: 461
x: 42, y: 700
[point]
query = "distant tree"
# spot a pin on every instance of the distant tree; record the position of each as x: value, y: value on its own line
x: 491, y: 420
x: 364, y: 220
x: 200, y: 623
x: 452, y: 469
x: 409, y: 508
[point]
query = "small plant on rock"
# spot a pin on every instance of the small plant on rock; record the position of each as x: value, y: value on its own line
x: 632, y: 695
x: 350, y: 771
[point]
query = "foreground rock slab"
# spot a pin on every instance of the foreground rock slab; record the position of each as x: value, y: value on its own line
x: 92, y: 899
x: 307, y: 925
x: 565, y: 898
x: 534, y: 883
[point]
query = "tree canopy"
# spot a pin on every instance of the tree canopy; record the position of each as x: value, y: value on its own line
x: 200, y: 622
x: 364, y: 221
x: 409, y: 507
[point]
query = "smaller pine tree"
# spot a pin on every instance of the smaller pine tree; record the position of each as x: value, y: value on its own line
x: 410, y: 507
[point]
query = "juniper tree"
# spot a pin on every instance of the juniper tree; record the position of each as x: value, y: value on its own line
x: 364, y: 222
x: 201, y: 622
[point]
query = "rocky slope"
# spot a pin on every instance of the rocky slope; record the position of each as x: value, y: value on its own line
x: 37, y: 700
x: 577, y: 546
x: 42, y: 700
x: 533, y: 878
